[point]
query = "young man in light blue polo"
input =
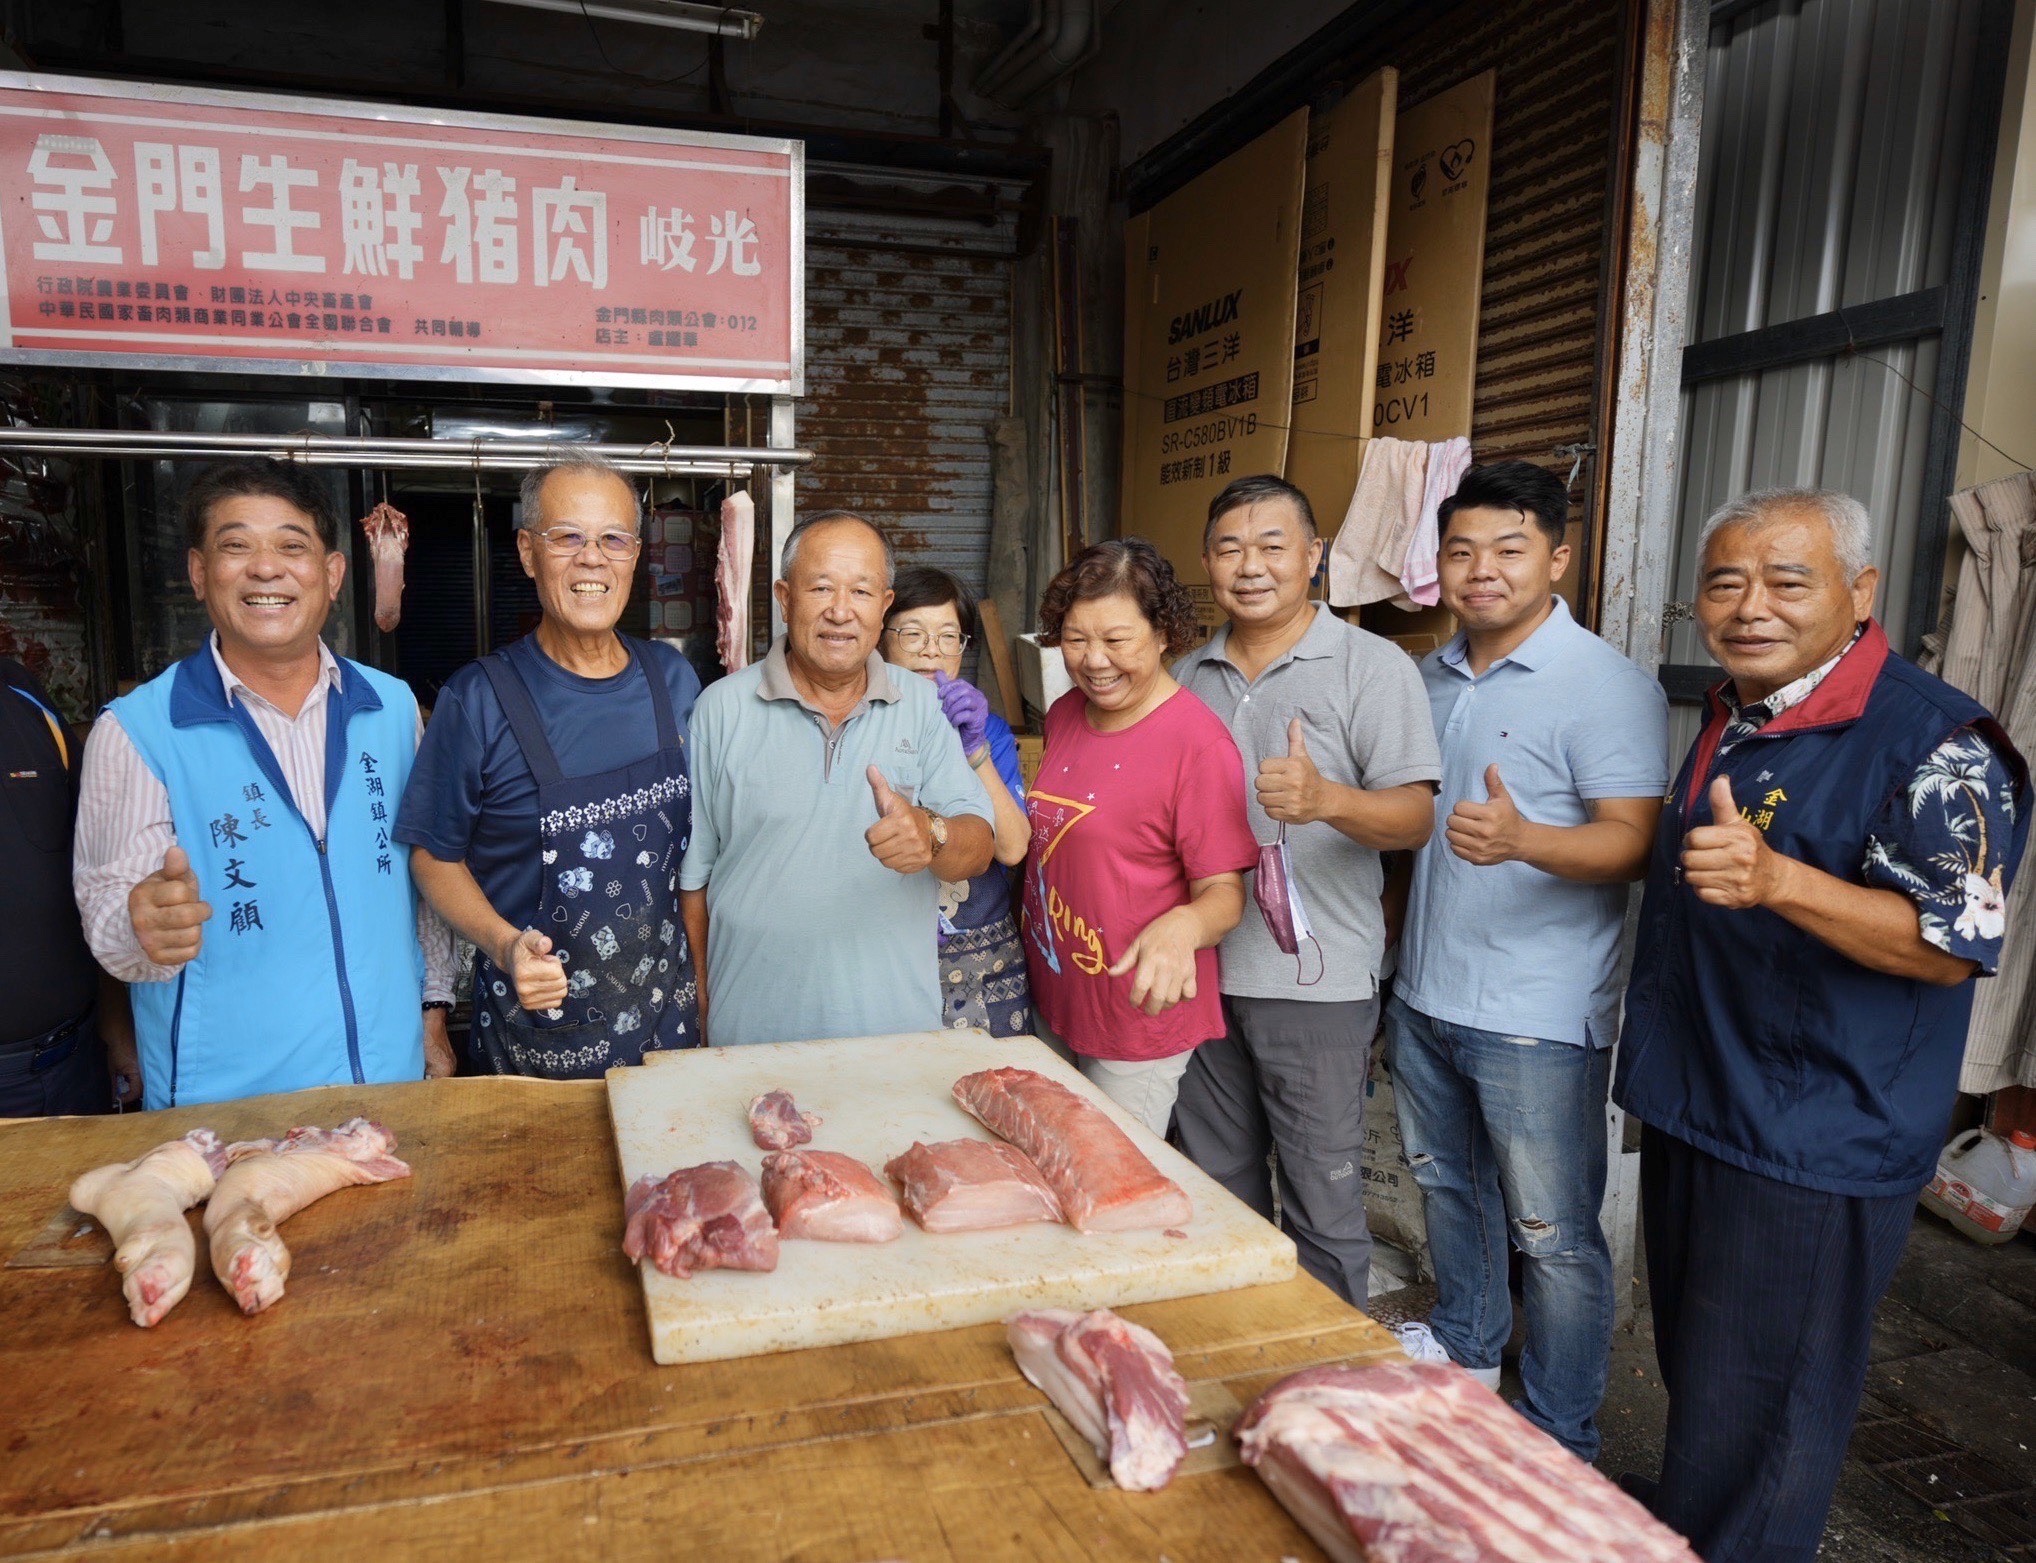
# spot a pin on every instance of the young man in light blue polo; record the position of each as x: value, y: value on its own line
x: 1554, y: 761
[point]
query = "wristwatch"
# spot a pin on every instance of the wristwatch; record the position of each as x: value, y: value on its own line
x: 936, y: 827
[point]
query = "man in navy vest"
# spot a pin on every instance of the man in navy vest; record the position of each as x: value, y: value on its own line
x: 1829, y: 876
x: 233, y: 858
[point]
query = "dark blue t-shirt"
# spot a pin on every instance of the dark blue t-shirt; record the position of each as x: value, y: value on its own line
x: 987, y: 897
x: 471, y: 795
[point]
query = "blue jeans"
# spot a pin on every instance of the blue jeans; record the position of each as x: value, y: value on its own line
x: 1506, y: 1137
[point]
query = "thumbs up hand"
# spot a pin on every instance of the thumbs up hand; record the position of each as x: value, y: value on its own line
x: 539, y: 975
x: 1490, y: 832
x: 1290, y: 789
x: 901, y: 839
x: 1728, y: 862
x: 167, y: 913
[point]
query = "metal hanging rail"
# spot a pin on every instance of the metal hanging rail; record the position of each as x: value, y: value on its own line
x: 396, y: 453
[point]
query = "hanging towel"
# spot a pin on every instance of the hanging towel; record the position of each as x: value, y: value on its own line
x: 1364, y: 560
x: 1448, y: 460
x: 731, y: 580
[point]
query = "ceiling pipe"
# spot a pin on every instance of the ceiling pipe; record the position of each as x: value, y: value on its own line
x: 1060, y: 36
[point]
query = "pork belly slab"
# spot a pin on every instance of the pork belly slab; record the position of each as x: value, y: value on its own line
x: 1419, y: 1463
x: 141, y: 1204
x: 971, y: 1186
x: 1103, y: 1181
x: 776, y: 1124
x: 1115, y: 1382
x: 829, y: 1196
x: 709, y: 1217
x: 268, y: 1182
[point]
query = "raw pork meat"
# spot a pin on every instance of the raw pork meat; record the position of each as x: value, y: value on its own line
x: 269, y: 1182
x: 776, y: 1124
x: 1115, y: 1382
x: 731, y: 580
x: 1419, y: 1463
x: 709, y: 1217
x: 971, y: 1185
x: 829, y: 1196
x: 388, y: 532
x: 1104, y: 1182
x: 141, y: 1205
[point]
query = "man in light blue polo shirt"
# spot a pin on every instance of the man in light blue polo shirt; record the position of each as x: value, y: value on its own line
x: 830, y: 799
x: 1554, y: 762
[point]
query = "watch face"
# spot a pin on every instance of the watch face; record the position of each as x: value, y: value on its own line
x: 936, y: 827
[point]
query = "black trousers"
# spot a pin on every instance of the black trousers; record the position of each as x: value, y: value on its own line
x: 77, y: 1085
x: 1763, y: 1312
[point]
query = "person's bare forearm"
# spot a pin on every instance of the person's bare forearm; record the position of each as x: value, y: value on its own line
x: 693, y: 913
x: 1879, y: 929
x: 967, y: 853
x: 1390, y: 819
x: 1217, y: 907
x: 457, y: 897
x: 1597, y: 852
x: 1013, y: 829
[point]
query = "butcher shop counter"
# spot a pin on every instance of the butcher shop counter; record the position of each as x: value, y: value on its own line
x: 462, y: 1362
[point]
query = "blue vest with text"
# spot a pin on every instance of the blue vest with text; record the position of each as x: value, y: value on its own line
x: 1754, y: 1040
x: 309, y: 973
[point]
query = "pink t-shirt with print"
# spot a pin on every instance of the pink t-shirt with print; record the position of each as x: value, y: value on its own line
x: 1122, y: 823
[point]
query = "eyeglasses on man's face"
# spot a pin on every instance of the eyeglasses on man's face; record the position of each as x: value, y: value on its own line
x: 566, y: 541
x: 913, y: 639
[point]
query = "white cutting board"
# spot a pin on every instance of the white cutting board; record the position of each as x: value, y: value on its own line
x: 876, y: 1096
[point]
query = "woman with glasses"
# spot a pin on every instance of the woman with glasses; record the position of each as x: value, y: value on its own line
x: 550, y: 805
x: 930, y: 624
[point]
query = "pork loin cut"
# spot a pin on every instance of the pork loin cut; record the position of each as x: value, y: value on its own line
x: 141, y: 1204
x: 829, y: 1196
x: 776, y: 1124
x: 1115, y: 1382
x: 1419, y: 1463
x: 971, y: 1186
x: 709, y: 1217
x: 1103, y: 1181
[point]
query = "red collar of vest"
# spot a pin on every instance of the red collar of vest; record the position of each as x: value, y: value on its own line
x: 1841, y: 698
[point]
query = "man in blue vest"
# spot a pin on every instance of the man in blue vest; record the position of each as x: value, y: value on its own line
x: 233, y: 859
x: 1830, y: 873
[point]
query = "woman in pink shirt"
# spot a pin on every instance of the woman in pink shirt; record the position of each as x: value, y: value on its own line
x: 1139, y: 834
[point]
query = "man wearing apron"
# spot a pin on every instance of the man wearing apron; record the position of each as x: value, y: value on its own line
x: 550, y: 805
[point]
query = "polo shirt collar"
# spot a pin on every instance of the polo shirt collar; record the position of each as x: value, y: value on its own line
x: 1533, y: 653
x: 1320, y: 639
x: 775, y: 683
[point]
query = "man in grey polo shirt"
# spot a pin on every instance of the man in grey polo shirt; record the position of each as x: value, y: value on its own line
x: 830, y: 799
x: 1554, y: 762
x: 1334, y: 731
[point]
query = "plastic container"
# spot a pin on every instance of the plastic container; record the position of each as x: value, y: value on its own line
x: 1985, y: 1185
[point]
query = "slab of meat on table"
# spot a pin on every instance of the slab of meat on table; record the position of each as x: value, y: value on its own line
x: 141, y: 1204
x: 388, y: 531
x: 269, y: 1181
x: 972, y: 1185
x: 1104, y: 1182
x: 776, y: 1124
x: 731, y: 580
x: 829, y: 1196
x: 1419, y: 1463
x: 1115, y: 1382
x: 709, y: 1217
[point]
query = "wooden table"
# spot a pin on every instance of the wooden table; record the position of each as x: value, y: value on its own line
x: 462, y: 1361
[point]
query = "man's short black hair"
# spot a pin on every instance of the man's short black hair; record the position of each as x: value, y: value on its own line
x: 259, y: 478
x: 1512, y: 485
x: 1251, y: 491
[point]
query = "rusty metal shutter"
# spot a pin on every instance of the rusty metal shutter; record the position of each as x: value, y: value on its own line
x: 908, y: 361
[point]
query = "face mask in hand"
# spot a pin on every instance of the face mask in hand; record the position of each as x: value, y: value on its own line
x: 1279, y: 902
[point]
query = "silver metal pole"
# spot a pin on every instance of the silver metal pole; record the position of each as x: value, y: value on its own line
x: 393, y: 451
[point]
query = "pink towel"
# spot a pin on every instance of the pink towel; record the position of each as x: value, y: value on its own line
x: 1448, y: 460
x: 1365, y: 558
x: 731, y: 580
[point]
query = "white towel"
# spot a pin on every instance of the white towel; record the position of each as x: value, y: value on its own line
x: 1365, y: 558
x: 1448, y: 460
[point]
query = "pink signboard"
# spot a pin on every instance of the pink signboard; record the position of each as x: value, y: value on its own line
x: 178, y: 228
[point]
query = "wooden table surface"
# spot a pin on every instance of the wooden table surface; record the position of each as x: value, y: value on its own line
x: 462, y: 1361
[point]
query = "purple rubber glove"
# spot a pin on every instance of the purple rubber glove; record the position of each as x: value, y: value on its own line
x: 968, y: 708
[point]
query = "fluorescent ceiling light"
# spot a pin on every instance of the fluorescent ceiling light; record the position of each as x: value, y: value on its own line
x: 680, y: 14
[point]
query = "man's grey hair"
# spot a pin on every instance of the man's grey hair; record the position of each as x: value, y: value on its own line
x: 828, y: 518
x: 577, y: 463
x: 1851, y: 527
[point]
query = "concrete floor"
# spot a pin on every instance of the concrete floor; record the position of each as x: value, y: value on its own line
x: 1943, y: 1468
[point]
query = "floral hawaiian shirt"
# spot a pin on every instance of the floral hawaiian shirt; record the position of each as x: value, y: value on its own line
x: 1941, y: 840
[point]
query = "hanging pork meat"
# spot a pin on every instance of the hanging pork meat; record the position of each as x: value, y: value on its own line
x: 731, y: 580
x: 388, y: 531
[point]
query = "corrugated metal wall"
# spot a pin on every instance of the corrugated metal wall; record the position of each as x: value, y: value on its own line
x: 1834, y: 133
x: 908, y: 360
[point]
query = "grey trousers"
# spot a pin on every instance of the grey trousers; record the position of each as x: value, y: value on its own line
x: 1288, y: 1076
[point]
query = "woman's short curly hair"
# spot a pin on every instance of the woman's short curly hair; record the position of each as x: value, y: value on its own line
x: 1134, y: 568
